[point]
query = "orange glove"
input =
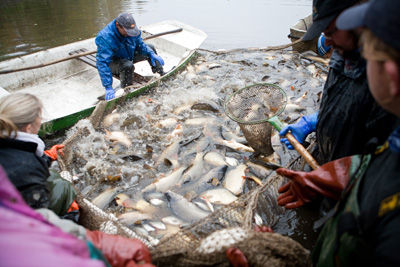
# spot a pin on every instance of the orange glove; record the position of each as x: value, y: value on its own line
x: 328, y: 180
x: 236, y: 257
x: 121, y: 251
x: 52, y: 152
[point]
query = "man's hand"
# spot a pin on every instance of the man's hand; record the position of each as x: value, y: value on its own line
x: 329, y: 180
x: 300, y: 130
x: 110, y: 93
x: 236, y: 257
x: 120, y: 251
x: 52, y: 152
x: 154, y: 57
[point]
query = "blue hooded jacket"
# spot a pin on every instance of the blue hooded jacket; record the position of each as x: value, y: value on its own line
x: 111, y: 44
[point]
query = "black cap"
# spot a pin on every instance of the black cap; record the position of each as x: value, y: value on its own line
x: 323, y: 12
x: 380, y: 16
x: 127, y: 21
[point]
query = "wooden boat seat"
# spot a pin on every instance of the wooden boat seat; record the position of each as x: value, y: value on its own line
x: 89, y: 59
x: 138, y: 80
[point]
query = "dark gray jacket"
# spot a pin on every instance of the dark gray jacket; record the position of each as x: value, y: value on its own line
x: 349, y: 116
x: 26, y: 170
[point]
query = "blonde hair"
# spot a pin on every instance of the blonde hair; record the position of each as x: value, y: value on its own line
x: 18, y: 110
x: 375, y: 49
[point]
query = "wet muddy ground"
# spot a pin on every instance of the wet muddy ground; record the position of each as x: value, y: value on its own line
x: 179, y: 131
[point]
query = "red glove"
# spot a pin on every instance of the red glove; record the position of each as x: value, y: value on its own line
x: 236, y: 257
x: 121, y: 251
x: 52, y: 152
x: 328, y: 180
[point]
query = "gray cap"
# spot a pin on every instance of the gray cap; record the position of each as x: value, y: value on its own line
x: 380, y: 16
x: 127, y: 21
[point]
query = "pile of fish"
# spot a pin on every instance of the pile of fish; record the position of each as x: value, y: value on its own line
x: 171, y: 157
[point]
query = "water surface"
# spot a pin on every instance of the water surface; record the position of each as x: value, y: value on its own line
x: 28, y: 25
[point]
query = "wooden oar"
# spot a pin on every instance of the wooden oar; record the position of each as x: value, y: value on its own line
x: 81, y: 54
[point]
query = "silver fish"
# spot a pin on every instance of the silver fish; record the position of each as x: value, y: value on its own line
x: 257, y: 219
x: 236, y: 146
x: 148, y: 227
x: 110, y: 119
x: 167, y: 182
x: 292, y: 108
x: 156, y: 202
x: 235, y: 178
x: 170, y: 155
x: 204, y: 182
x: 140, y: 205
x: 118, y: 137
x: 215, y: 159
x: 169, y: 122
x: 133, y: 217
x: 219, y: 196
x: 199, y: 146
x: 172, y: 220
x: 230, y: 136
x: 231, y: 161
x: 195, y: 170
x: 258, y: 170
x: 207, y: 206
x: 105, y: 197
x: 158, y: 225
x: 184, y: 209
x: 199, y: 121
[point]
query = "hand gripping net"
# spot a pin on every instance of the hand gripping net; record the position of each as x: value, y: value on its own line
x: 251, y: 107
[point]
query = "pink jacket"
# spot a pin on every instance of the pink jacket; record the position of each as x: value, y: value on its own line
x: 27, y: 239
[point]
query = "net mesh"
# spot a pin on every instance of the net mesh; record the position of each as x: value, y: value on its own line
x: 183, y: 248
x: 251, y: 107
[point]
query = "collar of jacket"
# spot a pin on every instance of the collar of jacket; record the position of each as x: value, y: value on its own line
x: 352, y: 66
x: 115, y: 30
x: 17, y: 144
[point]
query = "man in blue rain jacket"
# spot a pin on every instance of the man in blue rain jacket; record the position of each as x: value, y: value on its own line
x: 119, y: 46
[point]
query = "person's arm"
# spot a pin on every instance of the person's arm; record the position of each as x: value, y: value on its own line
x: 103, y: 60
x: 143, y: 48
x: 146, y: 50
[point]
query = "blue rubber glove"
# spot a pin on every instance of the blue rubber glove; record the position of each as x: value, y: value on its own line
x: 300, y: 130
x: 110, y: 93
x: 154, y: 57
x: 323, y: 49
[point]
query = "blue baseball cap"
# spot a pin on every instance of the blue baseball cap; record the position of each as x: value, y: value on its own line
x: 127, y: 21
x: 380, y: 16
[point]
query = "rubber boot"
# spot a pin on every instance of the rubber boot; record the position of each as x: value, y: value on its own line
x: 126, y: 73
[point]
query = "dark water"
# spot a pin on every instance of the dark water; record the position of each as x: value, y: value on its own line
x: 31, y: 25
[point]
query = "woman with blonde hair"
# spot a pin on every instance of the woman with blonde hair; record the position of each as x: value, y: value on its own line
x: 22, y: 153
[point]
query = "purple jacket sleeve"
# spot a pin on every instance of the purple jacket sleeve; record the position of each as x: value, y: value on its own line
x: 27, y: 239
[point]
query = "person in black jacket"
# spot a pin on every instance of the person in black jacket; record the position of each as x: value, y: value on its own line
x: 348, y: 117
x: 22, y: 153
x: 364, y: 227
